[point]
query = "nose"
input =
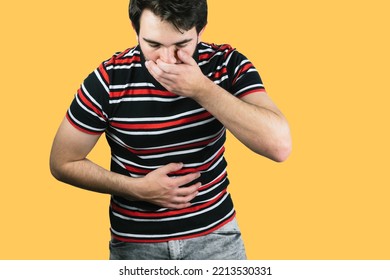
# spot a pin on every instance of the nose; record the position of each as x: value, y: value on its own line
x: 169, y: 55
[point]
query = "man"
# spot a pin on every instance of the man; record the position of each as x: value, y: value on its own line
x: 164, y: 106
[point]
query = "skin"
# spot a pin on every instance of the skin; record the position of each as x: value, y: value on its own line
x: 168, y: 51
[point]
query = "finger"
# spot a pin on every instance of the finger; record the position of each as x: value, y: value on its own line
x: 171, y: 167
x: 178, y: 206
x: 183, y: 180
x: 184, y: 199
x: 164, y: 78
x: 186, y: 58
x: 153, y: 68
x: 188, y: 191
x: 168, y: 68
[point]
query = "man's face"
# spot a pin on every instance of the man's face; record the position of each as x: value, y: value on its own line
x: 161, y: 40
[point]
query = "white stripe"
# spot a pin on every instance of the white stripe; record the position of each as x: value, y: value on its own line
x: 180, y: 143
x: 248, y: 87
x: 208, y: 50
x: 122, y: 160
x: 214, y: 165
x: 83, y: 124
x: 118, y: 162
x: 132, y: 208
x: 189, y: 215
x: 214, y: 55
x: 205, y: 171
x: 159, y: 118
x: 183, y: 152
x: 136, y: 175
x: 216, y: 70
x: 249, y: 71
x: 203, y: 192
x: 229, y: 57
x: 88, y: 110
x: 146, y: 99
x: 93, y: 100
x: 101, y: 80
x: 132, y: 52
x: 135, y: 208
x: 131, y: 85
x: 212, y: 188
x: 221, y: 80
x: 174, y: 234
x: 121, y: 143
x: 159, y: 132
x: 121, y: 165
x: 126, y: 66
x: 207, y: 200
x: 240, y: 65
x: 190, y: 165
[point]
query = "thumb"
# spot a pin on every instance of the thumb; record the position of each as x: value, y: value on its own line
x: 186, y: 58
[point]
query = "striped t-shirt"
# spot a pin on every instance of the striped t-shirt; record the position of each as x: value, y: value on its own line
x: 148, y: 127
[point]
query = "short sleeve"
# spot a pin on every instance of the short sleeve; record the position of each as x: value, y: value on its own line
x: 88, y: 110
x: 244, y: 77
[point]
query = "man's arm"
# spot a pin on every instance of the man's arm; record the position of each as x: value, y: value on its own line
x: 254, y: 119
x: 68, y: 163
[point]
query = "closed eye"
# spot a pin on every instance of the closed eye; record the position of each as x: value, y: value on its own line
x: 155, y: 46
x: 181, y: 45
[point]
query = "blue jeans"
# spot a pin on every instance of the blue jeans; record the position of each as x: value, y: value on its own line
x: 223, y: 244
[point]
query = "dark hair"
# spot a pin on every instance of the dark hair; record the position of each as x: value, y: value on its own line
x: 183, y: 14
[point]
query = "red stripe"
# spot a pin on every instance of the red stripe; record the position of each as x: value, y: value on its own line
x: 165, y: 150
x: 220, y: 73
x: 225, y: 48
x: 137, y: 170
x: 104, y: 74
x: 200, y: 168
x: 242, y: 70
x: 147, y: 91
x: 228, y: 52
x: 147, y: 126
x: 214, y: 182
x: 89, y: 104
x: 129, y: 60
x: 193, y: 209
x: 119, y: 60
x: 121, y: 55
x: 124, y: 239
x: 176, y: 148
x: 205, y: 56
x: 184, y: 171
x: 252, y: 91
x: 80, y: 128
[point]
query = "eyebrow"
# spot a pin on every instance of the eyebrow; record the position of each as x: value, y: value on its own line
x: 158, y: 43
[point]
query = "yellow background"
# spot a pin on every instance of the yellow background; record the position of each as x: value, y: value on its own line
x: 326, y: 65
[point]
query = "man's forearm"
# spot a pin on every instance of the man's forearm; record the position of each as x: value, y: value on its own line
x: 87, y: 175
x: 263, y: 130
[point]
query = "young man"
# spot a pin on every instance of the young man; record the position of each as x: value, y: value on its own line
x: 164, y: 106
